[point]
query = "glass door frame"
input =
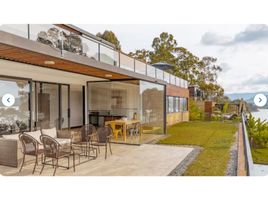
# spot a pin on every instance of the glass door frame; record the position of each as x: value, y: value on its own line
x: 59, y: 99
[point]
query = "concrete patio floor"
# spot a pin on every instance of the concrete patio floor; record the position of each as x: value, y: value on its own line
x: 127, y: 160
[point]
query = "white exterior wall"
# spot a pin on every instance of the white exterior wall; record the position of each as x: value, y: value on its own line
x: 15, y: 69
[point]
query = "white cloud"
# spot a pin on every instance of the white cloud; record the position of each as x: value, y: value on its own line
x: 252, y: 33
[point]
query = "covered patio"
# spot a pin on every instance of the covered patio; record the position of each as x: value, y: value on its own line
x: 126, y: 160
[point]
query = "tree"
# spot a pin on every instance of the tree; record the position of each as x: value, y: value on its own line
x: 142, y: 55
x: 110, y: 37
x: 187, y: 65
x: 202, y: 72
x: 164, y: 48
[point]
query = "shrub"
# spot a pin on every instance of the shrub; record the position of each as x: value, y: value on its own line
x: 257, y: 132
x: 194, y: 111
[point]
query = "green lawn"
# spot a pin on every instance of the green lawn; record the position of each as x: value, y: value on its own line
x: 260, y: 156
x: 215, y: 137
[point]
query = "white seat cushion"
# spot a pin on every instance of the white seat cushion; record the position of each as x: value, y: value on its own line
x: 36, y: 135
x: 50, y: 132
x: 11, y: 137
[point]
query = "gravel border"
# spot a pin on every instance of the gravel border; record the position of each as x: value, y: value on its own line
x: 232, y: 164
x: 181, y: 168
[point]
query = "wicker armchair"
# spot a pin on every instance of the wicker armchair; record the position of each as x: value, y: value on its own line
x: 87, y: 132
x: 103, y: 138
x: 53, y: 149
x: 31, y: 147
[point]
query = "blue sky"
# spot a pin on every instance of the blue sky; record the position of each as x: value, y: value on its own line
x: 241, y: 49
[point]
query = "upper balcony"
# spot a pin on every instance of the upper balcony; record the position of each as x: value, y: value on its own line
x: 68, y: 38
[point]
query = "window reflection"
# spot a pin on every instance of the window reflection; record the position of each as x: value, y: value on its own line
x: 152, y: 107
x: 15, y: 118
x: 131, y: 101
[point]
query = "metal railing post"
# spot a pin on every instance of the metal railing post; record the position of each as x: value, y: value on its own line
x: 98, y: 51
x: 119, y: 60
x: 134, y: 64
x: 28, y: 31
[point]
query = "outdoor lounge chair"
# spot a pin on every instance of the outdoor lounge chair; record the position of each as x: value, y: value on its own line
x: 53, y: 149
x: 52, y: 132
x: 30, y: 146
x: 103, y: 138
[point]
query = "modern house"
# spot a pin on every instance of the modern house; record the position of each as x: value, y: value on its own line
x: 60, y: 75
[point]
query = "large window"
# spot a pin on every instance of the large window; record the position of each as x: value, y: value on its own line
x: 113, y: 100
x: 14, y: 105
x: 128, y: 100
x: 184, y: 105
x: 177, y: 104
x: 152, y: 107
x: 170, y: 104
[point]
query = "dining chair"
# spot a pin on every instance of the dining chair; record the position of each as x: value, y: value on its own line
x: 87, y: 131
x: 103, y: 138
x: 116, y: 129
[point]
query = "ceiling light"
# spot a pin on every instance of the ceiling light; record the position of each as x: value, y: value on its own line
x: 49, y: 62
x: 108, y: 75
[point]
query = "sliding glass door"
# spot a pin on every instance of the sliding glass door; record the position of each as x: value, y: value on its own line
x: 14, y: 105
x: 52, y: 103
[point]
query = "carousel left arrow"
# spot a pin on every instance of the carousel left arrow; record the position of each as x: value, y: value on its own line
x: 8, y: 100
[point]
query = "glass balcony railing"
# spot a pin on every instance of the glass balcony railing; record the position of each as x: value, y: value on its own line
x: 172, y: 80
x: 126, y: 62
x: 16, y: 29
x: 159, y: 74
x: 140, y: 67
x: 109, y: 56
x: 90, y: 48
x: 151, y: 71
x: 166, y: 77
x: 64, y: 40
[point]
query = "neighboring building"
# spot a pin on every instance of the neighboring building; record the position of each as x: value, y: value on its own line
x: 66, y: 77
x: 196, y: 93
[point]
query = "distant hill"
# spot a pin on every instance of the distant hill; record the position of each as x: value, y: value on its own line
x: 246, y: 96
x: 249, y: 98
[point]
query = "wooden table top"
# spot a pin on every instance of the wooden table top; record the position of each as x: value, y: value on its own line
x: 124, y: 121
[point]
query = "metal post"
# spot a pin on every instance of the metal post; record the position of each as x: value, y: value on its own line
x: 61, y: 40
x: 28, y: 31
x: 30, y: 106
x: 165, y: 110
x: 134, y: 65
x: 98, y: 51
x: 119, y: 58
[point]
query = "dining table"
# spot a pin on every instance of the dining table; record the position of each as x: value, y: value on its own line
x: 124, y: 124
